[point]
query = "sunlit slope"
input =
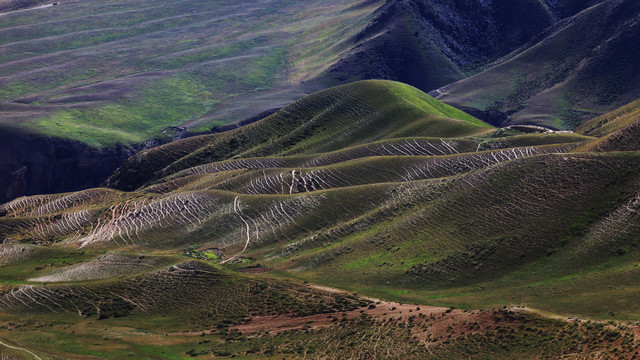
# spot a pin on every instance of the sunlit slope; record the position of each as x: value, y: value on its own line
x: 191, y: 287
x: 373, y: 187
x: 530, y: 221
x: 551, y: 221
x: 328, y: 120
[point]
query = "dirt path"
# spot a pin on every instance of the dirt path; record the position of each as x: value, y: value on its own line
x: 28, y: 9
x: 21, y: 349
x: 239, y: 213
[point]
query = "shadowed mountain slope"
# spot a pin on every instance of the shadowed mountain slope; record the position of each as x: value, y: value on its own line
x: 36, y: 164
x: 582, y: 67
x: 428, y: 44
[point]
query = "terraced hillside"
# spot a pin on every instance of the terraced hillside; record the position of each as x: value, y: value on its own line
x: 326, y: 121
x: 580, y: 68
x: 372, y: 187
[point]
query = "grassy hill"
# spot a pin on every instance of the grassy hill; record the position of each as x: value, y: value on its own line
x: 616, y: 131
x: 331, y: 119
x: 580, y: 68
x: 373, y: 188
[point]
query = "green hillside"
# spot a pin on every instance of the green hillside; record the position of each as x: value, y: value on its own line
x: 123, y: 72
x: 84, y: 85
x: 265, y: 180
x: 618, y: 130
x: 457, y: 235
x: 119, y: 71
x: 328, y: 120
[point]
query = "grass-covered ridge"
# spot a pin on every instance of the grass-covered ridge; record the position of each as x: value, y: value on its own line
x: 616, y: 131
x: 332, y: 119
x: 373, y: 188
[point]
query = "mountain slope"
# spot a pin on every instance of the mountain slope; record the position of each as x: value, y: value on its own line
x: 122, y: 72
x: 126, y: 75
x: 118, y: 72
x: 429, y: 44
x: 582, y: 67
x: 331, y: 119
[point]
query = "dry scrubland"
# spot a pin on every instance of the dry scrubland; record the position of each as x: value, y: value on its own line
x: 211, y: 244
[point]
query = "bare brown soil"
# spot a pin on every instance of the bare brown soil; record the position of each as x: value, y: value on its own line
x: 383, y: 311
x: 254, y: 270
x: 429, y: 325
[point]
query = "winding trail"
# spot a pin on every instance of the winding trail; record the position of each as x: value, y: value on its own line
x: 235, y: 208
x: 19, y: 348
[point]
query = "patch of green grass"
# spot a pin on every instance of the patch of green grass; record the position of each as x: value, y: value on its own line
x: 164, y: 103
x: 419, y: 100
x: 42, y: 259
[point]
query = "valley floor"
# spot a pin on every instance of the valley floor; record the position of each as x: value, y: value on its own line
x: 376, y: 330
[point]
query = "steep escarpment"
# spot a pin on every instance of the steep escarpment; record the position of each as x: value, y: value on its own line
x: 31, y: 164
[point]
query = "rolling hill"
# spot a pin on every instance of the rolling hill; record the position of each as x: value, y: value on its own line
x: 331, y: 119
x: 210, y: 245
